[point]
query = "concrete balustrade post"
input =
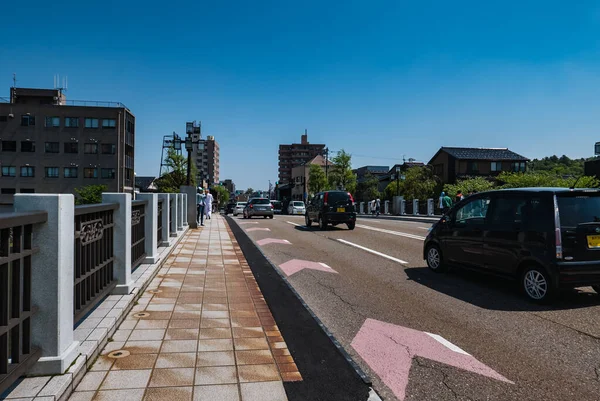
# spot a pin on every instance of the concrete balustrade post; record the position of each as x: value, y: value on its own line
x: 415, y: 207
x: 122, y: 241
x: 430, y: 207
x: 179, y: 212
x: 185, y: 209
x: 52, y: 281
x: 191, y: 207
x: 165, y: 240
x: 150, y: 227
x: 173, y: 225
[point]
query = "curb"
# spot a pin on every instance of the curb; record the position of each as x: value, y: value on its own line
x: 365, y: 378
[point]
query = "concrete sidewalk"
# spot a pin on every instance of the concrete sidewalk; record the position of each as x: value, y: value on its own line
x: 202, y: 331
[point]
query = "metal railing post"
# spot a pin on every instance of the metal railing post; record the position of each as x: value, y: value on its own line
x: 151, y: 227
x: 165, y: 240
x: 122, y: 241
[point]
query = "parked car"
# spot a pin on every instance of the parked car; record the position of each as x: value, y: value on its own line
x: 331, y: 207
x: 239, y: 208
x: 546, y: 238
x: 258, y: 207
x: 296, y: 207
x: 229, y: 208
x: 277, y: 206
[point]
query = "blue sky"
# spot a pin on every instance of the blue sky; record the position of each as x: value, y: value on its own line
x: 380, y: 79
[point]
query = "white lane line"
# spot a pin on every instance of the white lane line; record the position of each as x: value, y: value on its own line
x: 324, y: 265
x: 447, y: 343
x: 382, y: 230
x: 424, y: 228
x: 383, y: 255
x: 294, y: 224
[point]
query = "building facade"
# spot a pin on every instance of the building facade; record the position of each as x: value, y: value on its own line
x: 205, y: 154
x: 296, y: 154
x: 51, y: 145
x: 301, y: 177
x: 229, y: 185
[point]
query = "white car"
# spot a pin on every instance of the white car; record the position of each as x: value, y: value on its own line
x: 296, y: 207
x: 239, y: 208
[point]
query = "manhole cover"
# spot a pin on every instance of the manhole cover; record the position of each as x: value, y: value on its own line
x: 154, y: 291
x: 120, y: 353
x: 141, y: 314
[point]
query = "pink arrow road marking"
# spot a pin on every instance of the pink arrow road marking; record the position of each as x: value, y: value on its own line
x: 258, y: 229
x: 266, y: 241
x: 295, y: 265
x: 248, y: 222
x: 389, y: 349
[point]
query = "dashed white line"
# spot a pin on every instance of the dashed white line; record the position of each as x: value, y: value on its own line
x: 424, y: 228
x: 294, y: 224
x: 401, y: 234
x: 383, y: 255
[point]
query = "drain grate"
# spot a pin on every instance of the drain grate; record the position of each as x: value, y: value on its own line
x: 118, y: 354
x: 141, y: 314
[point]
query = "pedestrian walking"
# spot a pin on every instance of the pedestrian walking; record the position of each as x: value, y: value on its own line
x: 201, y: 203
x: 459, y: 197
x: 441, y: 203
x: 209, y: 202
x: 446, y: 204
x: 377, y: 206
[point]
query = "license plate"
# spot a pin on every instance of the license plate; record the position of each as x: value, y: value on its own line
x: 593, y: 241
x: 341, y: 209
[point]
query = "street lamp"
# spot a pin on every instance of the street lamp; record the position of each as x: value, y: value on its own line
x: 189, y: 147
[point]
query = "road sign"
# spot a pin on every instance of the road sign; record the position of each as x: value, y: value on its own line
x: 389, y: 349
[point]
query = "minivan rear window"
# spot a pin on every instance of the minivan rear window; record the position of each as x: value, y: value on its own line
x: 261, y: 202
x: 298, y: 204
x: 574, y: 210
x: 335, y: 197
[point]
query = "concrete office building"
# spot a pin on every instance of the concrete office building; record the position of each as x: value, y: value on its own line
x: 51, y: 145
x: 296, y: 154
x: 205, y: 154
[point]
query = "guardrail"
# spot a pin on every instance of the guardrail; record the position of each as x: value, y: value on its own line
x: 94, y: 256
x: 17, y: 353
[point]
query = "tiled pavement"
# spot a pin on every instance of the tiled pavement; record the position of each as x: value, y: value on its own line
x: 202, y: 331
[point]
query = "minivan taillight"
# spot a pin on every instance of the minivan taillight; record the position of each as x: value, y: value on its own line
x: 351, y: 198
x: 325, y: 198
x: 557, y: 233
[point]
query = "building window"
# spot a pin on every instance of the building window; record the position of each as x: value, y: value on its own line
x: 51, y: 172
x: 52, y: 147
x: 108, y: 173
x: 9, y: 146
x: 108, y: 148
x: 72, y: 122
x: 27, y: 120
x: 496, y: 166
x: 438, y: 170
x: 3, y: 119
x: 472, y: 167
x: 52, y: 121
x: 9, y: 171
x: 70, y: 172
x: 91, y: 123
x: 90, y: 173
x: 90, y: 148
x: 27, y: 190
x: 71, y: 147
x: 518, y: 167
x: 27, y: 171
x: 130, y: 126
x: 27, y: 146
x: 8, y: 191
x: 109, y: 123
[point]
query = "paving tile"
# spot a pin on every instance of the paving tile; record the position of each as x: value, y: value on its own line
x: 219, y: 344
x: 176, y: 360
x: 102, y: 363
x: 179, y: 346
x: 266, y: 391
x: 82, y: 396
x: 184, y: 307
x: 225, y: 392
x: 143, y: 347
x: 182, y: 334
x: 258, y: 373
x: 147, y: 335
x: 291, y: 376
x: 250, y: 343
x: 91, y: 381
x: 135, y: 361
x: 215, y: 358
x: 120, y: 395
x: 126, y: 379
x: 214, y: 323
x: 156, y: 307
x: 216, y: 375
x: 214, y: 314
x: 245, y: 322
x: 254, y: 357
x: 152, y: 324
x: 121, y: 335
x: 219, y: 332
x: 173, y: 377
x: 243, y: 332
x: 215, y: 306
x: 186, y: 315
x: 169, y: 393
x: 184, y: 324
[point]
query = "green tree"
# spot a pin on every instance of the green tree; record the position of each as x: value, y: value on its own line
x: 367, y: 189
x: 340, y: 174
x: 249, y: 191
x: 561, y: 166
x: 544, y: 179
x: 418, y: 183
x: 222, y: 195
x: 176, y: 176
x: 478, y: 184
x: 89, y: 194
x: 317, y: 181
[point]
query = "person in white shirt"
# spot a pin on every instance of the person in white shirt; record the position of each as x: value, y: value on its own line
x: 208, y: 206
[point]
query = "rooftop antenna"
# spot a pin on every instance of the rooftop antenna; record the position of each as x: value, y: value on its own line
x: 14, y: 79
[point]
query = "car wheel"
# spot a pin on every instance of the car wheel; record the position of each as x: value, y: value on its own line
x: 265, y: 217
x: 536, y: 284
x: 271, y: 216
x: 307, y: 220
x: 434, y: 259
x: 596, y: 288
x: 351, y: 225
x: 322, y: 223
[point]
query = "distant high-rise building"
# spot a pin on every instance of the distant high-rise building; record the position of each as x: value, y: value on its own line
x: 205, y: 154
x: 296, y: 154
x: 51, y: 145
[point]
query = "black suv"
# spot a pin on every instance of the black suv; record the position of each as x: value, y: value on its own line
x: 331, y: 207
x: 229, y: 208
x: 547, y: 238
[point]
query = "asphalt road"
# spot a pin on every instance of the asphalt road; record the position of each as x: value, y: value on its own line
x: 372, y: 290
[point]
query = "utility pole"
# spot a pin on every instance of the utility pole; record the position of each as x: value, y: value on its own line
x: 326, y: 162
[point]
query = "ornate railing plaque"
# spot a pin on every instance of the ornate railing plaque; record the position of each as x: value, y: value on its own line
x: 135, y: 217
x: 91, y: 231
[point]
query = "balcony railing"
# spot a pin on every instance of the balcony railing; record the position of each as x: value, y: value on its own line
x: 16, y: 311
x: 93, y: 103
x: 94, y: 256
x: 138, y: 227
